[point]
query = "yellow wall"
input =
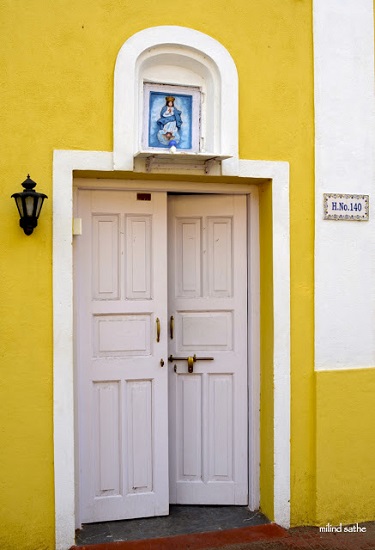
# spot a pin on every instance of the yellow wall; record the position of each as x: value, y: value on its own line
x: 345, y: 456
x: 56, y: 82
x: 266, y: 352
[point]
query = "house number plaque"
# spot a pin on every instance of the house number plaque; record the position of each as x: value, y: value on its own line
x: 346, y: 207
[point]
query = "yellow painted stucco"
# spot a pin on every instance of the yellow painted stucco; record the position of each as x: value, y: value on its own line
x: 266, y: 351
x: 345, y: 452
x: 56, y: 92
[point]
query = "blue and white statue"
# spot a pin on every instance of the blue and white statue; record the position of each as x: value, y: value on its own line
x: 169, y: 122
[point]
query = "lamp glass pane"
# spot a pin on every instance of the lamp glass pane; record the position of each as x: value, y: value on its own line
x: 19, y: 205
x: 29, y: 203
x: 39, y: 206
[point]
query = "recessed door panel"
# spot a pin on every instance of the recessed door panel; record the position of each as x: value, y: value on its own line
x: 122, y: 335
x: 139, y: 436
x: 204, y: 330
x: 220, y: 263
x: 105, y: 257
x: 189, y: 420
x: 107, y: 417
x: 221, y: 430
x: 138, y: 257
x: 188, y: 257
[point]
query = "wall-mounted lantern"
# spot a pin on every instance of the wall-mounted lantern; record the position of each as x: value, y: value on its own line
x: 29, y: 204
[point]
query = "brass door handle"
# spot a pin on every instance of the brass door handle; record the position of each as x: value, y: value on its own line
x: 171, y: 327
x: 157, y: 329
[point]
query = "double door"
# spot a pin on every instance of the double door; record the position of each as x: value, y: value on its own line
x: 161, y: 352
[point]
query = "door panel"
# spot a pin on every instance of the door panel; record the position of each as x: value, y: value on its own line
x: 208, y: 299
x: 122, y: 397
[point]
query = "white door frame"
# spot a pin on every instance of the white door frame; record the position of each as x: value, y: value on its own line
x: 65, y: 163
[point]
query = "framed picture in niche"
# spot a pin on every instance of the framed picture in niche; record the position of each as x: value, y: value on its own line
x: 171, y: 117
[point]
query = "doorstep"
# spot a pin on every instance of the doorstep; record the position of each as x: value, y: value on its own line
x: 196, y: 541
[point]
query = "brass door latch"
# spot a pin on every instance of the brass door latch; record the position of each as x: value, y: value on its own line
x: 190, y: 360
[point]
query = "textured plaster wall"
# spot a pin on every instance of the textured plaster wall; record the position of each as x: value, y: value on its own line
x: 56, y: 88
x: 345, y: 458
x: 266, y: 352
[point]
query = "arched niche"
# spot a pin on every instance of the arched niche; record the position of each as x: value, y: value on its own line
x: 176, y: 56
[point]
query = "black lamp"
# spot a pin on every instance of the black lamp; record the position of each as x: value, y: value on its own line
x: 29, y: 204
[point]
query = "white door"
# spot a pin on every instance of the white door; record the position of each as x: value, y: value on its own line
x: 208, y: 302
x: 122, y: 397
x: 122, y: 293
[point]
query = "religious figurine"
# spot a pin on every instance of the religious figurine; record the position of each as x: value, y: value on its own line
x: 169, y: 122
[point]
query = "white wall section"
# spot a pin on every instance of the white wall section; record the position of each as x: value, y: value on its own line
x: 344, y: 148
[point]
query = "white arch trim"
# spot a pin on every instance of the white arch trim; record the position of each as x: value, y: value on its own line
x: 181, y: 41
